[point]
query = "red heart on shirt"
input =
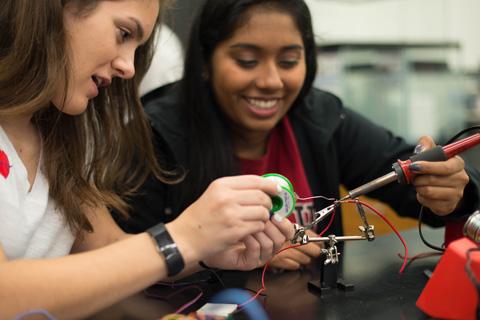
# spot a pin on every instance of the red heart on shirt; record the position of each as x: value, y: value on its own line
x: 4, y: 164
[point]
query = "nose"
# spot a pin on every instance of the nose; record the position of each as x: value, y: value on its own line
x: 124, y: 66
x: 269, y: 77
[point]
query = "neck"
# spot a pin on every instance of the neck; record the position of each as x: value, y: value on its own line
x: 251, y: 145
x: 17, y: 123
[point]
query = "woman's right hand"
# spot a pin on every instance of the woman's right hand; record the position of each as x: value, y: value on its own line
x: 294, y: 258
x: 231, y: 209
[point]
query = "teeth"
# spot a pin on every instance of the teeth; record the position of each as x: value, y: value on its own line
x: 97, y: 81
x: 262, y: 104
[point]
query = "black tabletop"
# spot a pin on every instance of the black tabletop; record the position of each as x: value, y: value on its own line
x: 379, y: 292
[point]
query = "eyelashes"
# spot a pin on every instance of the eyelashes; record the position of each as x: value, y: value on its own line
x: 249, y: 64
x: 124, y: 35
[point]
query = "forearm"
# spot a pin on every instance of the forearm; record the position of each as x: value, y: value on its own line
x: 78, y: 285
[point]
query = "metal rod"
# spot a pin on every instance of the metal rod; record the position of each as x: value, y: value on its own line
x: 372, y: 185
x: 341, y: 238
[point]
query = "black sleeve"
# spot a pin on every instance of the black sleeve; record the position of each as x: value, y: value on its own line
x: 367, y: 151
x: 151, y: 204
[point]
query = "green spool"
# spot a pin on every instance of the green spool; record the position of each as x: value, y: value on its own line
x: 284, y: 203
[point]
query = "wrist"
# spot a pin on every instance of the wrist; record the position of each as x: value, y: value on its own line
x: 185, y: 245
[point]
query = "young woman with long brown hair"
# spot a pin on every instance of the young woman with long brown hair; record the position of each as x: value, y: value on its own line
x: 74, y: 141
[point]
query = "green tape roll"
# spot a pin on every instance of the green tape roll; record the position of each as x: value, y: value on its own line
x: 283, y: 203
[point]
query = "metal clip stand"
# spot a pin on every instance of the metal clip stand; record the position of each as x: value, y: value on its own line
x: 330, y: 254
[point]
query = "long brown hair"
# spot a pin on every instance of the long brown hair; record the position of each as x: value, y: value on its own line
x: 93, y: 159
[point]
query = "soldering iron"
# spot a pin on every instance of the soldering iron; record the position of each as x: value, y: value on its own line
x: 401, y: 171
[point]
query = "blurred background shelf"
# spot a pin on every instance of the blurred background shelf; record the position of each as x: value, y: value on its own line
x: 410, y: 88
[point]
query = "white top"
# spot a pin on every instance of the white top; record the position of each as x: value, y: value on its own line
x: 167, y: 62
x: 30, y: 225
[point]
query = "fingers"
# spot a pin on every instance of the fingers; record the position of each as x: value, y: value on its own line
x: 280, y: 262
x: 254, y: 197
x: 252, y: 213
x: 291, y: 259
x: 439, y: 193
x: 246, y: 228
x: 253, y: 252
x: 424, y: 143
x: 250, y: 182
x: 276, y: 236
x: 311, y: 250
x: 441, y: 168
x: 440, y: 207
x: 266, y: 247
x: 439, y: 185
x: 285, y: 227
x: 269, y: 241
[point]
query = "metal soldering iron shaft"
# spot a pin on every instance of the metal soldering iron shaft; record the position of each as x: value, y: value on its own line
x: 372, y: 185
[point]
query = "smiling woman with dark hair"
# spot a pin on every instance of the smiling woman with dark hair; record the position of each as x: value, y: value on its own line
x: 246, y: 105
x: 74, y: 141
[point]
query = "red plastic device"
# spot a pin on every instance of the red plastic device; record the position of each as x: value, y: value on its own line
x: 450, y: 294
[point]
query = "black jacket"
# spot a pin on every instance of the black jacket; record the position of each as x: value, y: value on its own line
x: 337, y: 145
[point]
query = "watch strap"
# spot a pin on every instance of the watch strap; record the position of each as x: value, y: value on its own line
x: 168, y: 248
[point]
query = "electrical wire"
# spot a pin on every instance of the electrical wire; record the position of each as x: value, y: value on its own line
x: 191, y: 302
x: 422, y: 255
x: 402, y: 268
x: 471, y: 274
x: 428, y: 244
x: 150, y: 294
x: 314, y: 197
x: 329, y: 223
x: 264, y: 288
x: 462, y: 132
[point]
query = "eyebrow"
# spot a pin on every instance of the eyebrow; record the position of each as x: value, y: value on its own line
x: 255, y: 47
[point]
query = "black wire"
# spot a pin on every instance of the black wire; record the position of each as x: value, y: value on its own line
x: 420, y: 214
x: 428, y: 244
x: 471, y: 274
x: 462, y: 132
x: 468, y: 268
x: 219, y: 279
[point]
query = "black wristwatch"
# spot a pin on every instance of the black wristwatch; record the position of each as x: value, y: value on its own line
x: 168, y: 248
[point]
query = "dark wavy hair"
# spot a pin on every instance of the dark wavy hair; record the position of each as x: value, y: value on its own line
x: 211, y: 153
x: 92, y: 159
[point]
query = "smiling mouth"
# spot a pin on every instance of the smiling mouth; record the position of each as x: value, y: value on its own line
x: 263, y: 103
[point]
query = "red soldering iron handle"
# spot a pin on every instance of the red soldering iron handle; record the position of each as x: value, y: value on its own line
x: 456, y: 147
x: 437, y: 153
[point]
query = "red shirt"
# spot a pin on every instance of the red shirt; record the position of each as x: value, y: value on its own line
x: 283, y: 157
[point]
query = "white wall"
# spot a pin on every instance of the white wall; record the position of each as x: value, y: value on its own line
x: 403, y: 21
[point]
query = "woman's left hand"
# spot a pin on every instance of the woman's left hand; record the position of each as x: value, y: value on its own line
x: 255, y: 250
x: 440, y: 184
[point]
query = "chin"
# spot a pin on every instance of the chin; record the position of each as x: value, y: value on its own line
x: 73, y: 108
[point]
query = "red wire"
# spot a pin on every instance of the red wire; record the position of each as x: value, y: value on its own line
x: 391, y: 226
x: 329, y: 223
x: 263, y: 288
